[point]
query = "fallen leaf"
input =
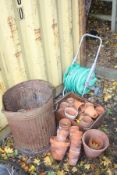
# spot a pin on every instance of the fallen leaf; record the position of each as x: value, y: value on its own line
x: 107, y: 97
x: 1, y: 150
x: 42, y: 173
x: 109, y: 172
x: 8, y: 150
x: 114, y: 83
x: 74, y: 169
x: 16, y: 152
x: 87, y: 166
x: 105, y: 161
x: 36, y: 161
x: 48, y: 161
x: 115, y: 166
x: 51, y: 173
x: 60, y: 173
x: 81, y: 163
x: 66, y: 167
x: 32, y: 168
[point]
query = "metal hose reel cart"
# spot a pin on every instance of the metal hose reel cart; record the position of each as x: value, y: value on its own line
x: 79, y: 79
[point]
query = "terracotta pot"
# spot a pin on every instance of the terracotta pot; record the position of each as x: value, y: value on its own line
x: 75, y: 139
x: 73, y: 156
x: 86, y: 118
x: 87, y: 104
x: 94, y: 134
x: 78, y: 104
x: 65, y: 124
x: 58, y: 148
x: 76, y: 143
x: 62, y: 134
x: 70, y: 101
x: 71, y: 112
x: 85, y: 121
x: 90, y: 110
x: 100, y: 110
x: 73, y: 129
x: 63, y: 105
x: 84, y: 124
x: 75, y: 134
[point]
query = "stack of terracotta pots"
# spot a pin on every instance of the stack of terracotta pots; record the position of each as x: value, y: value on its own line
x: 60, y: 143
x: 75, y: 146
x: 67, y: 136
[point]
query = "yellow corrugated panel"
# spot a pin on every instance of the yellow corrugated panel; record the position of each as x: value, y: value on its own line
x: 37, y: 40
x: 3, y: 120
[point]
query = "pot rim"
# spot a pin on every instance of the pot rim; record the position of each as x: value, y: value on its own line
x: 69, y: 115
x: 94, y: 150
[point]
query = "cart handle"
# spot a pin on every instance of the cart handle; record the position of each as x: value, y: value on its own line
x: 78, y: 51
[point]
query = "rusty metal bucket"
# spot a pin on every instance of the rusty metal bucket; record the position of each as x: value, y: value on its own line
x: 28, y: 107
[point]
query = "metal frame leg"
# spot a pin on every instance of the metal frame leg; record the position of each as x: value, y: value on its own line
x: 114, y: 16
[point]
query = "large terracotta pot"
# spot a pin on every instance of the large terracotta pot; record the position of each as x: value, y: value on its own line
x: 94, y: 134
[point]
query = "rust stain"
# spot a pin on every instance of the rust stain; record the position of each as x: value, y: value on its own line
x: 17, y: 54
x: 12, y: 25
x: 37, y: 33
x: 54, y: 25
x: 55, y: 28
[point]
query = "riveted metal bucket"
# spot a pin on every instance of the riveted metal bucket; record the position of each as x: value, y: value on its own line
x: 28, y: 107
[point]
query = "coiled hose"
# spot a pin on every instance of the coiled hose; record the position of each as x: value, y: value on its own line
x: 75, y: 78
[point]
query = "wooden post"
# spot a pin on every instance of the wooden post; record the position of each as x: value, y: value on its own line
x: 82, y: 24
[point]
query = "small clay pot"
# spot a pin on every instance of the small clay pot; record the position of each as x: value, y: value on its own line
x: 58, y: 148
x: 63, y: 105
x: 84, y: 124
x: 71, y: 112
x: 76, y: 143
x: 78, y: 104
x: 85, y: 121
x: 73, y: 156
x: 65, y: 124
x: 62, y: 134
x: 87, y: 104
x: 73, y: 129
x: 85, y: 118
x: 90, y: 110
x: 70, y: 101
x: 75, y: 139
x: 94, y: 134
x: 75, y: 134
x: 100, y: 110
